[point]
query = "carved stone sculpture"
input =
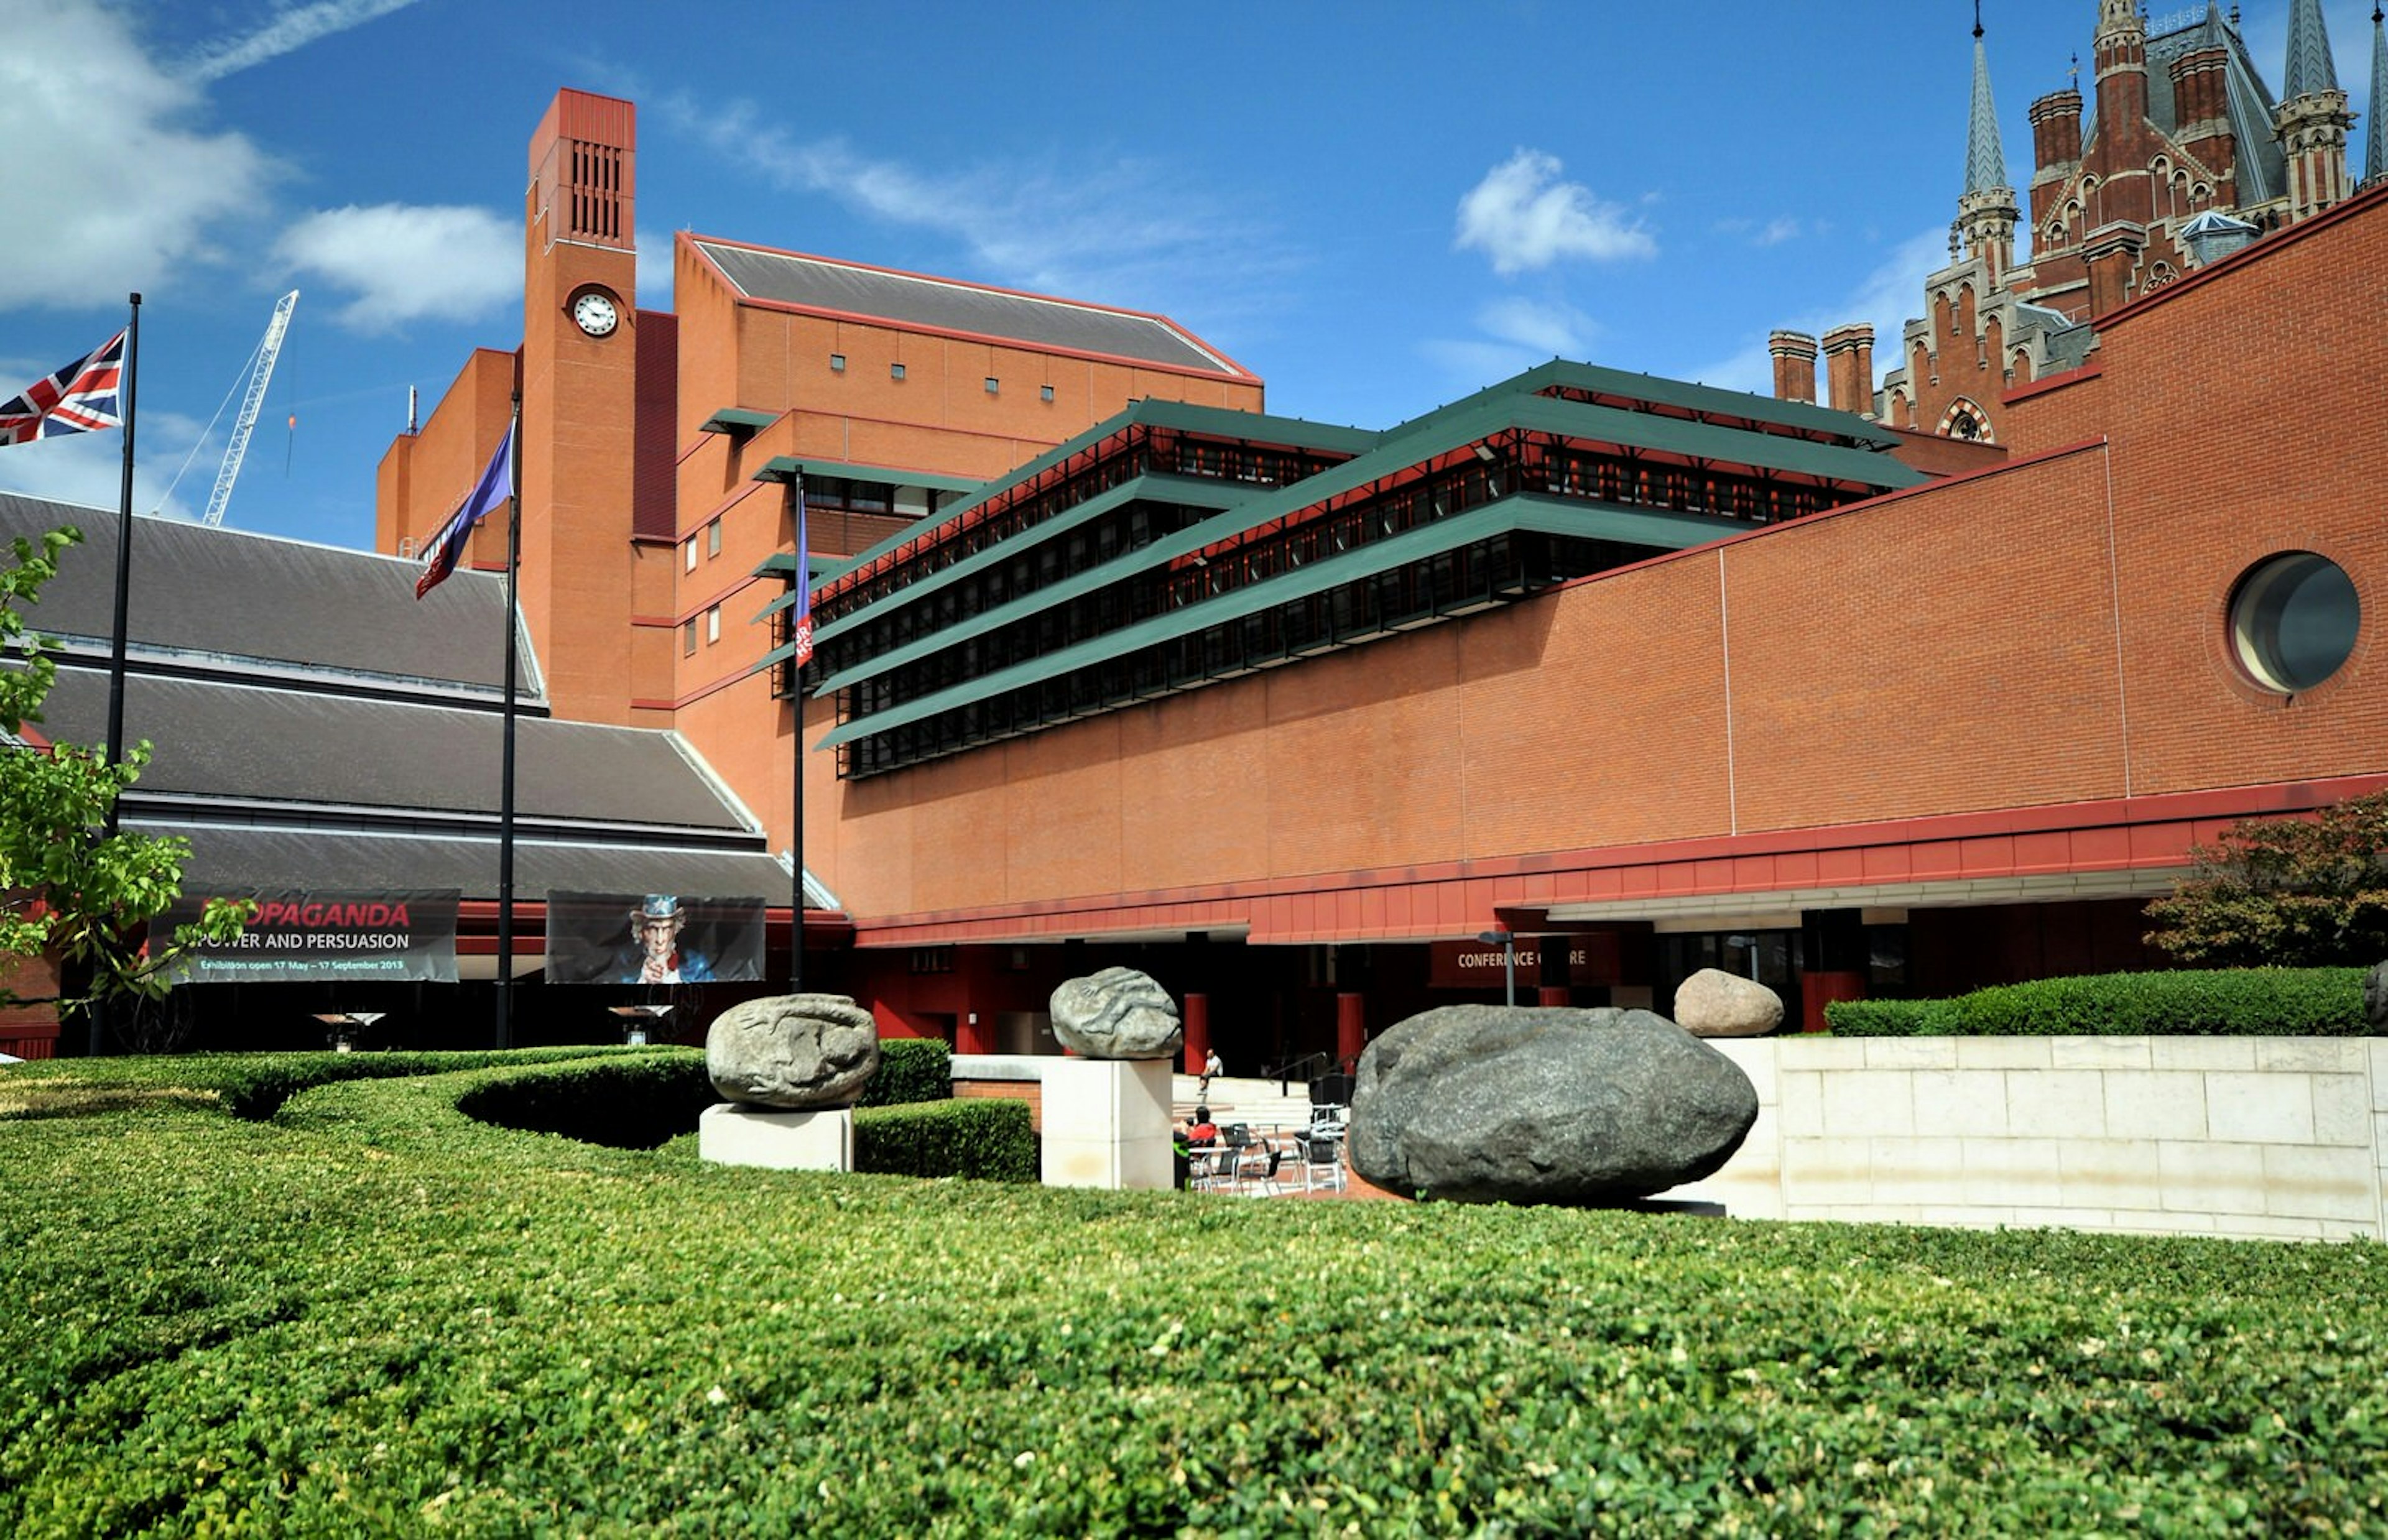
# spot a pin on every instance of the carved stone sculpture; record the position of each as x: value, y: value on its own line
x: 1117, y: 1013
x: 793, y: 1051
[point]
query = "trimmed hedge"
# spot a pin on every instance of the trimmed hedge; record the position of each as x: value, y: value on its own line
x: 625, y: 1104
x: 2189, y: 1003
x: 988, y: 1138
x: 375, y: 1316
x: 911, y: 1069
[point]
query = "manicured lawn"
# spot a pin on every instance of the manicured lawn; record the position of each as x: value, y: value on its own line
x: 374, y: 1315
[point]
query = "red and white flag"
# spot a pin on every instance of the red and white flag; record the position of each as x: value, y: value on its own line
x: 85, y: 395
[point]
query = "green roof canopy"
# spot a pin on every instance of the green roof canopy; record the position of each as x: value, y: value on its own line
x: 1563, y: 516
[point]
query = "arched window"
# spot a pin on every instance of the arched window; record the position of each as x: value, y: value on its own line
x: 1967, y: 421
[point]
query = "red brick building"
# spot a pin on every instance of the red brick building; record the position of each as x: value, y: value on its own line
x: 1112, y: 667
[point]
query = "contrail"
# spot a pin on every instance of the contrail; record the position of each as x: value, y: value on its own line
x: 287, y: 33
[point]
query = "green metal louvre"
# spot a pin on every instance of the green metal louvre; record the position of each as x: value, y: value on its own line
x: 1534, y: 512
x: 1197, y: 490
x: 788, y: 467
x: 1453, y: 428
x: 1742, y: 406
x: 738, y: 420
x: 1221, y: 422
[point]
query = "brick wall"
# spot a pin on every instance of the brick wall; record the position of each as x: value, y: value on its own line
x: 2046, y: 633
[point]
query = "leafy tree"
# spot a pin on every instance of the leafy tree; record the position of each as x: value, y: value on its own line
x: 2295, y: 892
x: 63, y: 886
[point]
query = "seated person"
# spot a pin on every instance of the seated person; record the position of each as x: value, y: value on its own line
x: 1201, y: 1133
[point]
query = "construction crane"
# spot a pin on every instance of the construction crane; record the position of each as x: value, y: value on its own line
x: 261, y: 374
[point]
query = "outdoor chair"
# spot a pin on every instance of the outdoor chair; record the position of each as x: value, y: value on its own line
x: 1322, y: 1163
x: 1256, y: 1167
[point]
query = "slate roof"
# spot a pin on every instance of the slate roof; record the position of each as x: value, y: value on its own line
x: 302, y: 750
x: 230, y: 595
x: 228, y: 860
x: 315, y: 725
x: 945, y: 305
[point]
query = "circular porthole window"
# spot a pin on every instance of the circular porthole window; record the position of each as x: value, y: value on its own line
x: 2292, y: 620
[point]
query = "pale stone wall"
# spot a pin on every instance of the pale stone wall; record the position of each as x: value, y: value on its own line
x: 2225, y: 1136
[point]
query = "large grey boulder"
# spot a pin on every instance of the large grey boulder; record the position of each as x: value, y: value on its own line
x: 1487, y: 1103
x: 1714, y: 1004
x: 793, y: 1051
x: 1117, y: 1013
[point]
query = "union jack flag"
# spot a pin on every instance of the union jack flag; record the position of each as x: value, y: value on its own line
x: 85, y: 394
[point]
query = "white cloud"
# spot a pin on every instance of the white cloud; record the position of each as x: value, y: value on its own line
x: 654, y: 274
x: 1124, y: 232
x: 87, y: 469
x: 287, y: 33
x: 1550, y: 330
x: 102, y: 205
x: 1521, y: 216
x: 1885, y: 298
x: 1518, y: 334
x: 403, y: 263
x: 1777, y: 231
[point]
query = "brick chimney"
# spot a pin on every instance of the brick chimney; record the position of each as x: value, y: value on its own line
x: 1848, y: 368
x: 1795, y: 365
x: 2056, y: 153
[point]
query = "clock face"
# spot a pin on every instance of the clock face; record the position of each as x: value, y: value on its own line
x: 596, y: 314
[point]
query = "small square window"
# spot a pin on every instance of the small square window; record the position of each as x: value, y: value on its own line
x: 688, y: 638
x: 993, y: 385
x: 713, y: 626
x: 837, y: 363
x: 689, y: 551
x: 1045, y: 392
x: 713, y: 539
x: 895, y: 371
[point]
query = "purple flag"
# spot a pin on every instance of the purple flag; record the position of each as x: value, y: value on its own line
x: 497, y: 483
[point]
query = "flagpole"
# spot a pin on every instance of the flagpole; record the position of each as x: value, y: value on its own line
x: 796, y: 615
x: 124, y: 561
x: 116, y: 647
x: 506, y: 790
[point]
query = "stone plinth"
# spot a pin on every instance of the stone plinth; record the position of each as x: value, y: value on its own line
x: 1107, y: 1124
x: 732, y: 1133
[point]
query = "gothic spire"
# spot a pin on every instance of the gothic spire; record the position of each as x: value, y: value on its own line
x: 1986, y: 163
x: 2375, y: 156
x: 2309, y: 69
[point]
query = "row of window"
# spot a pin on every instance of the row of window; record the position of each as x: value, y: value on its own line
x: 1255, y: 557
x: 1350, y: 613
x: 712, y: 622
x: 896, y: 371
x: 1021, y: 509
x: 1035, y: 567
x: 712, y: 538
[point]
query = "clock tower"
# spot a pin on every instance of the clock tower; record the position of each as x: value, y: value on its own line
x: 579, y: 391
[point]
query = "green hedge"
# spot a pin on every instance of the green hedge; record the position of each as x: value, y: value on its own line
x: 988, y: 1138
x: 631, y: 1103
x: 911, y: 1069
x: 2189, y: 1003
x: 373, y: 1316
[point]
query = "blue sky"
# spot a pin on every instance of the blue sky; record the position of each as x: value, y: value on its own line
x: 1375, y: 207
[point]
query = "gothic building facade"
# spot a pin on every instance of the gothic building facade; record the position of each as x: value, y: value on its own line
x: 2182, y: 154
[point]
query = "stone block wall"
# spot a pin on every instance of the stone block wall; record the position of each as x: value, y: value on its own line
x: 2231, y: 1136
